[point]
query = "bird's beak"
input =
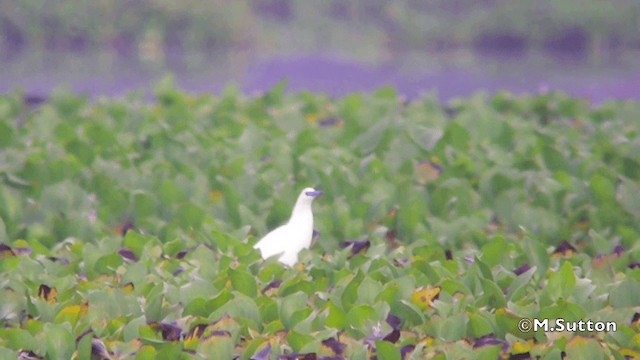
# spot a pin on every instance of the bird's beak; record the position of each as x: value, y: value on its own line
x: 315, y: 193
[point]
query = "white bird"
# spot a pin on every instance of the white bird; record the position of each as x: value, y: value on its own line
x: 290, y: 238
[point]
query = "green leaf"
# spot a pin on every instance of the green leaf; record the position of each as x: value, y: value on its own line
x: 153, y: 310
x: 453, y: 327
x: 169, y: 192
x: 199, y: 307
x: 58, y: 340
x: 423, y: 137
x: 625, y: 294
x: 493, y: 295
x: 336, y: 318
x: 488, y: 352
x: 136, y: 242
x: 520, y: 284
x: 603, y: 188
x: 565, y: 310
x: 8, y: 354
x: 409, y: 312
x: 507, y: 323
x: 108, y: 264
x: 369, y: 140
x: 84, y: 347
x: 494, y: 252
x: 296, y: 284
x: 18, y: 338
x: 453, y: 286
x: 387, y: 351
x: 350, y: 294
x: 132, y: 329
x: 190, y: 216
x: 146, y: 352
x: 361, y: 317
x: 216, y: 347
x: 289, y: 306
x: 298, y: 341
x: 241, y: 308
x: 584, y: 348
x: 274, y: 96
x: 537, y: 254
x: 243, y: 281
x: 387, y: 92
x: 484, y: 269
x: 629, y: 196
x: 455, y: 136
x: 223, y: 297
x: 368, y: 291
x: 562, y: 282
x: 268, y: 309
x: 479, y: 325
x: 144, y: 204
x: 6, y: 134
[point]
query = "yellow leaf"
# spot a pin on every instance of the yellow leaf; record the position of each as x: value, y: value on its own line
x: 428, y: 341
x: 21, y: 243
x: 521, y: 347
x: 215, y: 196
x: 312, y: 118
x: 635, y: 340
x: 128, y: 287
x: 423, y: 296
x: 630, y: 353
x: 196, y: 332
x: 578, y: 341
x: 72, y: 313
x: 191, y: 341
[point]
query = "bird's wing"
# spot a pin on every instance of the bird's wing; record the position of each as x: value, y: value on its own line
x: 274, y: 242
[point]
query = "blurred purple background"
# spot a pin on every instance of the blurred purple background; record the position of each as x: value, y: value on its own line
x: 334, y: 50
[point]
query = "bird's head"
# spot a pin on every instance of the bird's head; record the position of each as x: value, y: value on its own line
x: 306, y: 197
x: 311, y: 192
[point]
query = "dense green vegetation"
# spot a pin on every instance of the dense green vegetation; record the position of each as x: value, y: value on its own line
x: 127, y: 227
x: 593, y: 26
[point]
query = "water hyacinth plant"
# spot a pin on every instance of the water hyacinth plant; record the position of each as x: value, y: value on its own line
x: 127, y: 227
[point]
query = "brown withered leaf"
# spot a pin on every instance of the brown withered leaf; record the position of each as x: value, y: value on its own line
x: 448, y: 254
x: 263, y: 354
x: 128, y: 254
x: 275, y: 284
x: 170, y: 332
x: 331, y: 121
x: 6, y: 251
x: 298, y: 356
x: 490, y: 339
x: 334, y: 345
x: 406, y: 350
x: 357, y: 246
x: 124, y: 227
x: 48, y: 294
x: 564, y: 249
x: 522, y: 269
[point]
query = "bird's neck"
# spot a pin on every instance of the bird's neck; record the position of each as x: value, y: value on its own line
x: 301, y: 211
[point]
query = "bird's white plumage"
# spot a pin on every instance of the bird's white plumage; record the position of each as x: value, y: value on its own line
x: 293, y: 236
